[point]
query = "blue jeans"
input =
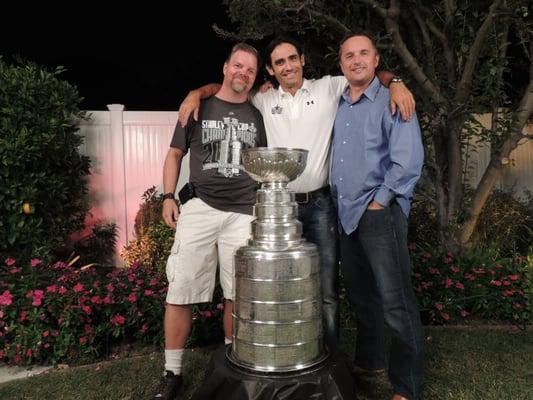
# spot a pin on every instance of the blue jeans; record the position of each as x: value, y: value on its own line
x: 319, y: 219
x: 376, y: 268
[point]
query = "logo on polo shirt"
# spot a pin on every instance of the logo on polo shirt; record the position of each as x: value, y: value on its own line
x: 277, y: 109
x: 310, y: 102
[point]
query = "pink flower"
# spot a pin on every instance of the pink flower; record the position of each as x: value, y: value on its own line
x: 518, y: 306
x: 83, y: 340
x: 6, y: 298
x: 445, y: 316
x: 139, y: 282
x: 88, y: 329
x: 15, y: 270
x: 508, y: 293
x: 110, y: 287
x: 78, y: 287
x: 464, y: 313
x: 455, y: 269
x: 46, y: 345
x: 434, y: 271
x: 22, y: 316
x: 10, y: 261
x: 132, y: 298
x: 499, y: 266
x: 448, y: 283
x: 153, y: 282
x: 1, y: 354
x: 495, y: 283
x: 148, y: 293
x: 506, y: 283
x: 96, y: 300
x: 206, y: 314
x: 51, y: 289
x: 34, y: 262
x: 447, y: 260
x: 1, y: 314
x: 63, y: 290
x: 118, y: 319
x: 37, y: 297
x: 108, y: 300
x: 46, y: 333
x: 514, y: 277
x: 460, y: 286
x: 439, y: 306
x: 29, y: 353
x: 144, y: 328
x: 470, y: 277
x: 478, y: 270
x: 87, y: 309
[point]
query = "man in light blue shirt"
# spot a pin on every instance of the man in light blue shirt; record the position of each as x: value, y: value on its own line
x: 376, y: 161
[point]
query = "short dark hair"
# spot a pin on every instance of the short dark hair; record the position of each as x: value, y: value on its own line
x: 276, y: 42
x: 358, y: 33
x: 248, y: 49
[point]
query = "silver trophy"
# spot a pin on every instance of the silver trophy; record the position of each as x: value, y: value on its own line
x: 277, y: 320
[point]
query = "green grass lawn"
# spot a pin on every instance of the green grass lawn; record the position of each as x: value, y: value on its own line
x: 461, y: 364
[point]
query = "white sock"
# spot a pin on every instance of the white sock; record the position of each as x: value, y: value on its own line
x: 227, y: 341
x: 173, y: 360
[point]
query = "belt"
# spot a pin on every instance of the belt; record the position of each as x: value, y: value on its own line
x: 303, y: 198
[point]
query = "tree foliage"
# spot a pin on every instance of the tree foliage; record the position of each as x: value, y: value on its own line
x: 42, y: 174
x: 459, y: 57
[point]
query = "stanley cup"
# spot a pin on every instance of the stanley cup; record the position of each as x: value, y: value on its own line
x: 277, y: 320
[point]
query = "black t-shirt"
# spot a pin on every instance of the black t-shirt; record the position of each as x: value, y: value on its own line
x: 215, y: 142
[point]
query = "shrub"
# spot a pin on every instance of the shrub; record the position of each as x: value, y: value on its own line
x: 153, y: 237
x: 52, y: 313
x: 506, y: 221
x: 476, y: 283
x: 44, y: 187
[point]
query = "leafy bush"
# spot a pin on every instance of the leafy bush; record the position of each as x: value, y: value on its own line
x: 153, y: 237
x: 507, y: 222
x: 476, y: 283
x: 52, y: 313
x: 44, y: 186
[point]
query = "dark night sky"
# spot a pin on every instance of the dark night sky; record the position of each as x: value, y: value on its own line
x: 146, y: 59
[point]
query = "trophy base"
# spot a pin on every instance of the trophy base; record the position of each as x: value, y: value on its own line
x: 328, y: 380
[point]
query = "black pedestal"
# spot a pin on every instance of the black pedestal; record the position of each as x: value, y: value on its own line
x: 331, y: 380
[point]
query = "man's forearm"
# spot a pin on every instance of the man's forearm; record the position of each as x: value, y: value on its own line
x: 171, y: 171
x: 385, y: 77
x: 208, y: 90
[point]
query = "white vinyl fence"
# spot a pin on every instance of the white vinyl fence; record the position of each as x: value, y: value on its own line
x: 128, y: 149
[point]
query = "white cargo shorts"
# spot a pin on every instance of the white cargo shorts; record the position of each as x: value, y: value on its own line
x: 204, y: 238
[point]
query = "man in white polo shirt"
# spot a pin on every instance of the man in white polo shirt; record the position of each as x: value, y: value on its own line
x: 300, y: 113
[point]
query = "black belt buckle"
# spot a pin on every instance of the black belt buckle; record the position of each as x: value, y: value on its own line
x: 302, y: 198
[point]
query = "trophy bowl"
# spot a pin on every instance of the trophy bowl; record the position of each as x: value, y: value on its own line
x: 274, y: 164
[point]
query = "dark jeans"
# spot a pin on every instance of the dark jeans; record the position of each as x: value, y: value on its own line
x: 376, y: 269
x: 319, y: 219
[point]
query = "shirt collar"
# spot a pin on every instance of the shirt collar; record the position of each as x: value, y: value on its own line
x: 305, y: 88
x: 370, y: 92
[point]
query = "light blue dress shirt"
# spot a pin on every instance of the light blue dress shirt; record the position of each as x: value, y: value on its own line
x: 375, y: 155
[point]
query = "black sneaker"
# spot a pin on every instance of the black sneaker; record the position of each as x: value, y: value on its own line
x: 169, y: 387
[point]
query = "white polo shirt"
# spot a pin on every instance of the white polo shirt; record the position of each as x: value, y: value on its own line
x: 303, y: 121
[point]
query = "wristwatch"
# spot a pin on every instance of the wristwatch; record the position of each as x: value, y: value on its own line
x: 396, y: 79
x: 168, y: 195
